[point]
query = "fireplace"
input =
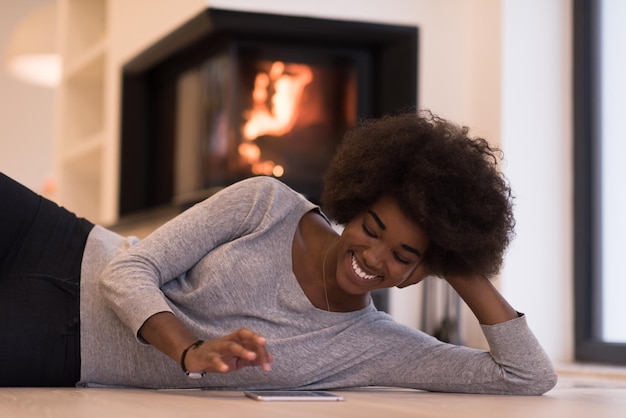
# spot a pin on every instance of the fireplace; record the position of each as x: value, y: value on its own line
x: 233, y: 94
x: 252, y: 110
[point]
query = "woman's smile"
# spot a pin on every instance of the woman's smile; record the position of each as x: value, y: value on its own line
x: 360, y: 272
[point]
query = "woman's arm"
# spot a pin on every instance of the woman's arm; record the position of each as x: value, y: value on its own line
x: 524, y: 366
x: 514, y: 364
x: 488, y: 305
x: 132, y: 282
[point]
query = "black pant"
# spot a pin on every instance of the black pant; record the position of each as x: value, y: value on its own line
x: 41, y: 249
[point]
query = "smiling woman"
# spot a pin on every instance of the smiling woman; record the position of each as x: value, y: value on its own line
x: 444, y: 180
x: 255, y: 280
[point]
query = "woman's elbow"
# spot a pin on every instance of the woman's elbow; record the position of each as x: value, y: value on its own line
x: 536, y: 383
x: 546, y: 382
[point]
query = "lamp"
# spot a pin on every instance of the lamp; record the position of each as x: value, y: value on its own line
x: 31, y: 53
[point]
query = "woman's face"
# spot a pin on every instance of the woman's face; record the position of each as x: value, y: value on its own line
x: 381, y: 248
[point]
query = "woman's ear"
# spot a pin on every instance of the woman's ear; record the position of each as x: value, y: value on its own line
x: 416, y: 276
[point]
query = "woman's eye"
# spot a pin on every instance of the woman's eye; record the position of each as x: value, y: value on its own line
x: 401, y: 259
x: 368, y: 232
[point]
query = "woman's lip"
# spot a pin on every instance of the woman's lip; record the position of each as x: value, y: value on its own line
x: 355, y: 275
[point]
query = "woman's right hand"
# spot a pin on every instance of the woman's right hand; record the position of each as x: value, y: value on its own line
x: 242, y: 348
x: 239, y: 349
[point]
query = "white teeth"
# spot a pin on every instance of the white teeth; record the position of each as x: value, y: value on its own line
x: 357, y: 269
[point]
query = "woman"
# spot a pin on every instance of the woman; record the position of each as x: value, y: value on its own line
x: 253, y: 288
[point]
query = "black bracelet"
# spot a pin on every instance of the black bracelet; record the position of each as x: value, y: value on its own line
x: 193, y: 375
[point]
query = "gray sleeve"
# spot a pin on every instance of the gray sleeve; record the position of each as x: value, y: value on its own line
x: 516, y: 364
x: 131, y: 282
x: 525, y: 366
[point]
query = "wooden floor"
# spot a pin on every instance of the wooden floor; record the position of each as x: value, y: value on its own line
x: 574, y: 397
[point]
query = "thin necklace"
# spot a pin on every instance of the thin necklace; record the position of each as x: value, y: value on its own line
x: 324, y: 275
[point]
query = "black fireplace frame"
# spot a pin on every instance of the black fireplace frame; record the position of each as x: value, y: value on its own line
x: 146, y: 179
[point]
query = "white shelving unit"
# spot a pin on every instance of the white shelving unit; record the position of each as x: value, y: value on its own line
x: 96, y: 38
x: 82, y: 138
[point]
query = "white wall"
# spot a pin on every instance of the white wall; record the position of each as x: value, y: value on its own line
x: 26, y: 112
x: 537, y: 139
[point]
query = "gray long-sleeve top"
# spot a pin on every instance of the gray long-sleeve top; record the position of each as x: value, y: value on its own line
x: 226, y: 264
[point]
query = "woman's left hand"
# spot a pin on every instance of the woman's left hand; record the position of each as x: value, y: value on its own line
x: 483, y: 299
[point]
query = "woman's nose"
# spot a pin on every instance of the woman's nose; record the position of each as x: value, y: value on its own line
x: 373, y: 257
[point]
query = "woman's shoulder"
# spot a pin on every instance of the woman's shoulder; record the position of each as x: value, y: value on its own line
x: 261, y: 182
x: 253, y: 200
x: 268, y: 189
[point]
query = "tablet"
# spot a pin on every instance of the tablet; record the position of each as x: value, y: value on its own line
x: 291, y: 395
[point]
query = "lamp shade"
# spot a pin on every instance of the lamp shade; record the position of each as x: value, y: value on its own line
x: 31, y: 53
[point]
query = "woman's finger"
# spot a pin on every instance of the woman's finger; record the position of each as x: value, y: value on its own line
x: 257, y: 344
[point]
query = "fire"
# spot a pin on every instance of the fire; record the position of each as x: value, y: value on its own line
x: 273, y: 114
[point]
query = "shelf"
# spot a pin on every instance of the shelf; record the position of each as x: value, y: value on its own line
x: 83, y: 113
x: 84, y: 62
x: 82, y: 141
x: 86, y: 27
x: 82, y: 149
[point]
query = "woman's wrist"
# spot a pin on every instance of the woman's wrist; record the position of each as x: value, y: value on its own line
x: 481, y: 296
x: 183, y: 356
x: 165, y: 332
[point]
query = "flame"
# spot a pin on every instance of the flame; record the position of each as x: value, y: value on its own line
x: 288, y: 83
x: 274, y: 114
